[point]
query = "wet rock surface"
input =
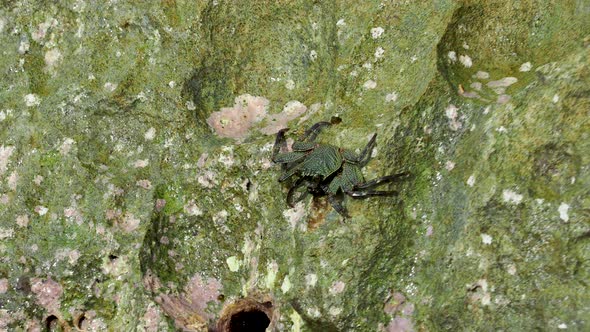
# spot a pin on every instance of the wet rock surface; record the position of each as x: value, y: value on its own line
x: 137, y: 190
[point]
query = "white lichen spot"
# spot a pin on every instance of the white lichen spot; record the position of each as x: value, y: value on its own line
x: 286, y: 285
x: 271, y: 274
x: 23, y: 46
x: 486, y: 239
x: 150, y: 134
x: 72, y: 255
x: 562, y: 326
x: 313, y: 55
x: 471, y: 180
x: 452, y: 114
x: 192, y: 209
x: 290, y: 85
x: 563, y: 211
x: 335, y: 311
x: 12, y: 180
x: 22, y: 220
x: 66, y: 146
x: 466, y: 61
x: 3, y: 285
x: 145, y: 184
x: 52, y: 57
x: 391, y: 97
x: 5, y: 153
x: 502, y: 83
x: 452, y: 56
x: 449, y: 165
x: 555, y: 98
x: 503, y: 99
x: 129, y: 223
x: 41, y: 210
x: 525, y: 67
x: 233, y: 263
x: 486, y: 299
x: 313, y: 312
x: 511, y: 269
x: 370, y: 84
x: 110, y: 86
x: 295, y: 214
x: 292, y: 110
x: 311, y: 280
x: 510, y: 196
x: 220, y: 219
x: 482, y: 75
x: 39, y: 33
x: 190, y: 105
x: 171, y: 84
x: 207, y: 179
x: 227, y: 156
x: 337, y: 287
x: 32, y: 100
x: 379, y: 52
x: 141, y: 163
x: 377, y: 32
x: 340, y: 23
x: 6, y: 233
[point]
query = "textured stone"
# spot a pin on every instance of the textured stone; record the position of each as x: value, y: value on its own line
x: 122, y: 207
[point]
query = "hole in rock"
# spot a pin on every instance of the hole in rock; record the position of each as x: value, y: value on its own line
x: 246, y: 315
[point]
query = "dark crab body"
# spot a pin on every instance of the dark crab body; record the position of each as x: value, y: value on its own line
x: 326, y: 170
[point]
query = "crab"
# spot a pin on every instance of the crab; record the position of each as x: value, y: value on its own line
x: 327, y: 170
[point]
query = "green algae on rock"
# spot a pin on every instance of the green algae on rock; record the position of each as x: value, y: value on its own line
x: 122, y: 208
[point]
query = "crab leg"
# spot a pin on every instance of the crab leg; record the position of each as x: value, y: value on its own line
x: 313, y: 132
x: 280, y: 143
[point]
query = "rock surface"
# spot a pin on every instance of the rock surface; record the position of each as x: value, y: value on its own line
x: 137, y: 191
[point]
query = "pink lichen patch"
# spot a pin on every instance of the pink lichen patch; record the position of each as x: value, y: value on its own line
x: 235, y: 122
x: 502, y: 83
x: 187, y: 309
x: 112, y: 214
x: 192, y: 209
x: 47, y: 293
x: 160, y: 204
x: 73, y: 214
x: 400, y: 324
x: 3, y: 285
x: 292, y: 110
x: 38, y: 179
x: 207, y: 179
x: 141, y: 163
x: 5, y: 153
x: 13, y: 180
x: 22, y: 220
x: 129, y: 223
x: 151, y: 319
x: 145, y: 184
x: 337, y: 287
